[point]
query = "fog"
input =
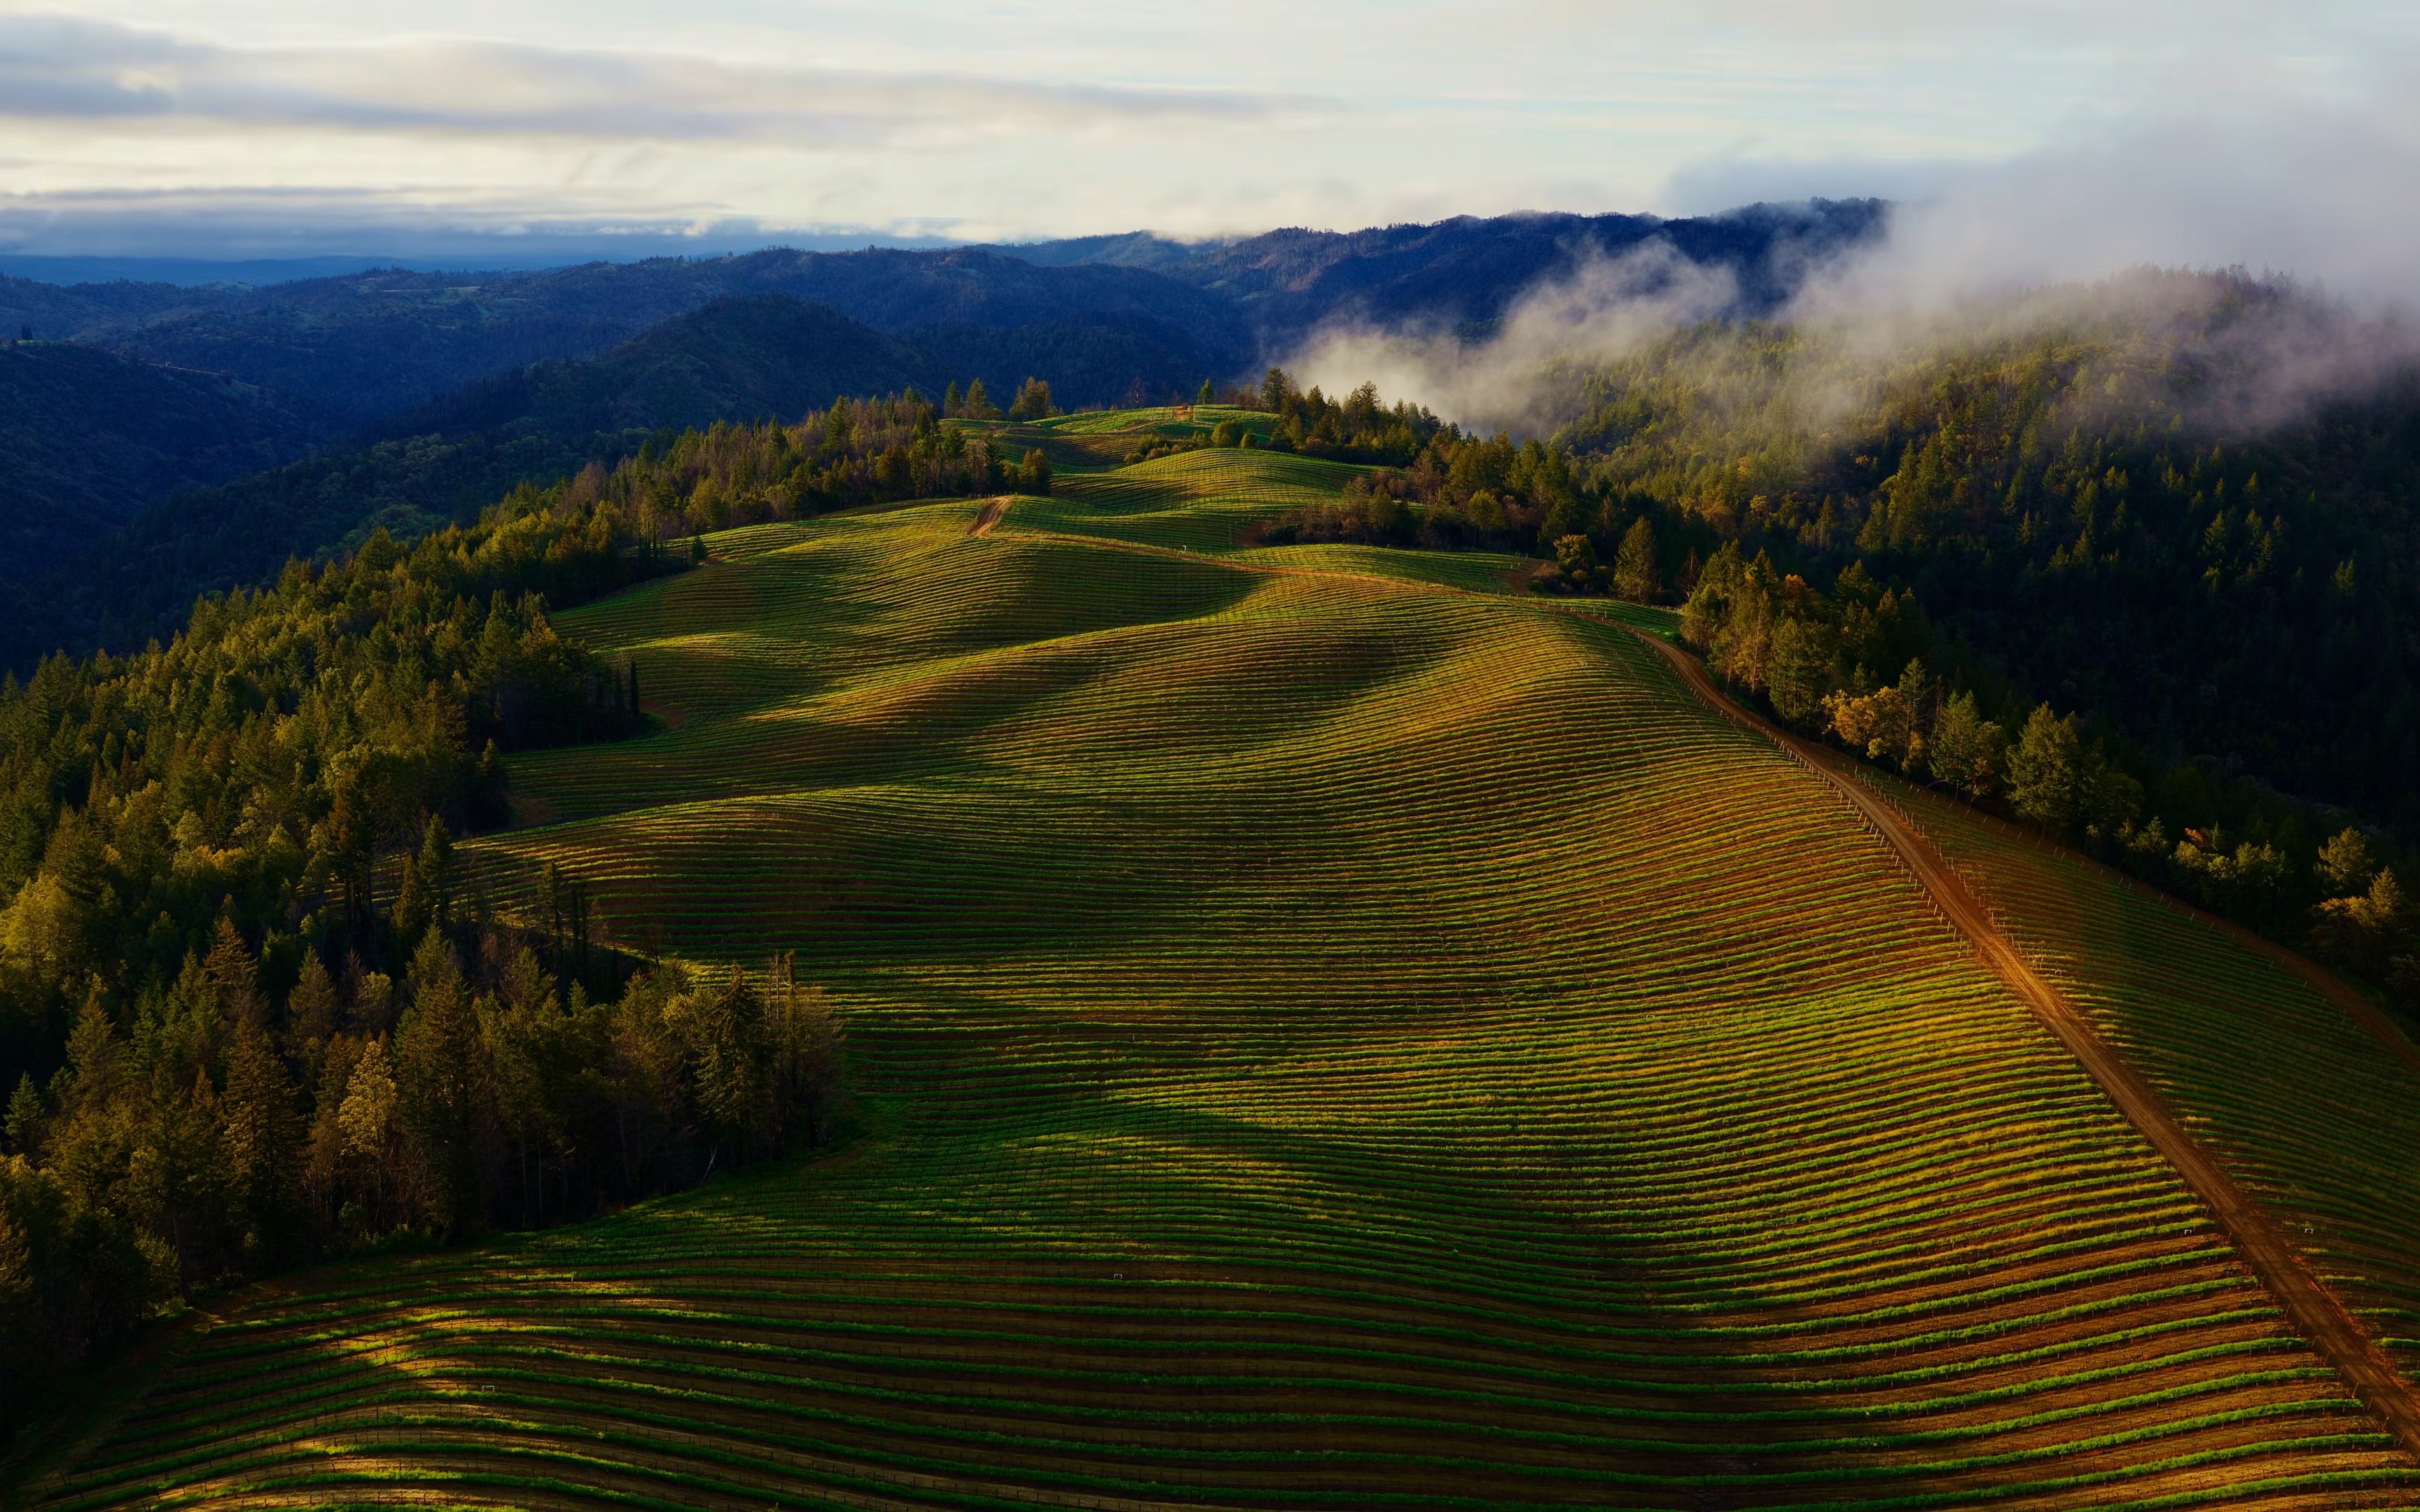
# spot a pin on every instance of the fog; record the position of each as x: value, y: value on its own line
x: 2310, y: 201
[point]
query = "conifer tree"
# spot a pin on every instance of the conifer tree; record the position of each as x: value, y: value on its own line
x: 439, y: 1077
x: 1635, y: 576
x: 1032, y: 401
x: 1033, y: 476
x: 1966, y: 748
x: 2046, y: 771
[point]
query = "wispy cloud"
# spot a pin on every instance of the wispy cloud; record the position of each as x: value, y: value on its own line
x: 60, y: 68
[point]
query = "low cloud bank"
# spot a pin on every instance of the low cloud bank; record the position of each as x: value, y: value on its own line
x: 2298, y: 216
x: 1601, y: 305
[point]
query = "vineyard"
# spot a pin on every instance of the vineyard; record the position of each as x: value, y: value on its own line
x: 1331, y: 1032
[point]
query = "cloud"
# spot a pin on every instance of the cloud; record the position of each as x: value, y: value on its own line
x: 2254, y: 164
x: 57, y: 69
x: 1598, y: 307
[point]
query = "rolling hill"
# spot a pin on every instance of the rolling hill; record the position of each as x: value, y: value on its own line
x: 1335, y: 1032
x: 365, y: 368
x: 88, y: 438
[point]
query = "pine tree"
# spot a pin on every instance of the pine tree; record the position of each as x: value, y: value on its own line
x: 1032, y: 401
x: 1966, y: 748
x: 1800, y: 672
x: 441, y: 1082
x: 411, y: 912
x: 1034, y: 475
x: 979, y: 405
x: 436, y: 868
x: 25, y: 1126
x: 1635, y: 576
x: 263, y: 1139
x: 2046, y: 771
x: 950, y: 399
x: 2346, y: 863
x: 726, y: 1028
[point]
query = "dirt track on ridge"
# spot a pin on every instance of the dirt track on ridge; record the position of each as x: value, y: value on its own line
x: 989, y: 515
x: 2313, y: 1311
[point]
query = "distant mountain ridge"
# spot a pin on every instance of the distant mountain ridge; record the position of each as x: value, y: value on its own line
x: 429, y: 393
x: 370, y: 344
x: 1468, y: 272
x: 376, y: 343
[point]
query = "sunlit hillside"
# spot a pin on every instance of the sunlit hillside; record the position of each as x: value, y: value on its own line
x: 1329, y: 1030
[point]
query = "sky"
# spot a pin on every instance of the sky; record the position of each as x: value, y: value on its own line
x: 2042, y: 137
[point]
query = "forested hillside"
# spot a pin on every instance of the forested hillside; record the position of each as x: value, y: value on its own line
x: 253, y: 1011
x: 2124, y: 510
x: 737, y: 359
x: 88, y: 438
x: 761, y: 358
x: 370, y: 345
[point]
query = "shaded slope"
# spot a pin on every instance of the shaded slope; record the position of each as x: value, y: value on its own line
x: 58, y: 311
x: 378, y: 341
x: 1331, y: 1040
x: 737, y: 359
x: 87, y: 438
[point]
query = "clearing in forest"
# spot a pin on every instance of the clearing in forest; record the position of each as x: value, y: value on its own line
x: 1332, y: 1033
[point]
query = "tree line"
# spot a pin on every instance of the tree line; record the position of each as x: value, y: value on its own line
x: 1819, y: 661
x: 858, y: 452
x: 253, y: 1008
x: 1433, y: 485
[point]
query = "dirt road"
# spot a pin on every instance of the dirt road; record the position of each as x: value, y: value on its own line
x: 2312, y: 1310
x: 989, y: 515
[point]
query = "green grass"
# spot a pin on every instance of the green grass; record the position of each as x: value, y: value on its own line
x: 1334, y: 1033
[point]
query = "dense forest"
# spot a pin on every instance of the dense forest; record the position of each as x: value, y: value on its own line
x: 142, y: 581
x: 2111, y: 505
x: 86, y: 437
x: 1430, y: 484
x: 252, y: 1009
